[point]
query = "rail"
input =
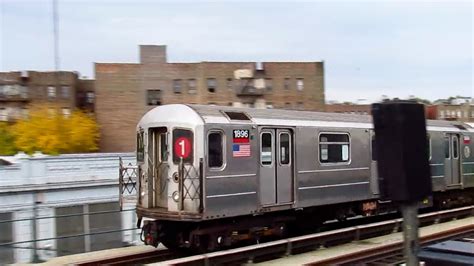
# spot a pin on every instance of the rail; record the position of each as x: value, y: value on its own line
x: 294, y: 245
x: 130, y: 259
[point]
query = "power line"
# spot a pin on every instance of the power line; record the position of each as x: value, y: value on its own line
x: 56, y: 35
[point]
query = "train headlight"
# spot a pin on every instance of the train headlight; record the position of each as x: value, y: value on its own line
x: 175, y: 196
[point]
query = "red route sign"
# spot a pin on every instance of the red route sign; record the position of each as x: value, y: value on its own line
x: 182, y: 147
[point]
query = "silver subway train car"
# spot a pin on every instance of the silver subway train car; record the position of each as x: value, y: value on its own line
x: 210, y: 176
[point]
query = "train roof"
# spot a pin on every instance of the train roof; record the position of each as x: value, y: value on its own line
x: 228, y: 115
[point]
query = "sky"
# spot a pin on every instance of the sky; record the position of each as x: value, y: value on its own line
x: 369, y: 49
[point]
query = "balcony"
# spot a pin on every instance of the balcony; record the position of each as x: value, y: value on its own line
x: 250, y: 90
x: 14, y: 97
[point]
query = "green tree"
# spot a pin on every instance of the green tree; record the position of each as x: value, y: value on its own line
x: 7, y: 146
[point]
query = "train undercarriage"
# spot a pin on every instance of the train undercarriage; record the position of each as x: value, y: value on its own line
x: 219, y: 234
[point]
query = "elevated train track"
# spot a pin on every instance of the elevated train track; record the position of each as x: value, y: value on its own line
x: 460, y: 221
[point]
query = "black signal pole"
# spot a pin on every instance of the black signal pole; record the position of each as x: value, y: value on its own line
x: 402, y: 163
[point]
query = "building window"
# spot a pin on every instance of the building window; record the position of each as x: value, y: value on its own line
x: 24, y: 92
x: 24, y: 113
x: 286, y: 84
x: 191, y: 86
x: 65, y: 91
x: 153, y: 97
x: 3, y: 114
x: 90, y: 97
x: 211, y: 85
x: 472, y: 114
x: 109, y: 220
x: 268, y: 84
x: 177, y: 86
x: 299, y: 84
x: 69, y: 225
x: 334, y: 148
x: 7, y: 236
x: 66, y: 111
x: 300, y: 106
x: 215, y: 150
x: 229, y: 84
x: 458, y: 113
x: 441, y: 114
x: 51, y: 92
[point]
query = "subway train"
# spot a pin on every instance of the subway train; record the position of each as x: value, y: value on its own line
x: 213, y: 176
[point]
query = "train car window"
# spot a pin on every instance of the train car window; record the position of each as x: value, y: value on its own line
x: 446, y: 147
x: 455, y: 147
x: 285, y: 148
x: 215, y: 150
x: 334, y: 148
x: 140, y: 147
x: 163, y: 147
x: 266, y: 152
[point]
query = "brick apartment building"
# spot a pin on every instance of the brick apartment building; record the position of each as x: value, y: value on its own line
x: 452, y: 111
x: 21, y: 90
x: 124, y: 92
x: 362, y: 109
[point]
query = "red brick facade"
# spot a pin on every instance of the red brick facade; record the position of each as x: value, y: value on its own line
x: 123, y: 90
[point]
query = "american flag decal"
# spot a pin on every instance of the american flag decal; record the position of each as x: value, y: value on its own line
x: 241, y: 150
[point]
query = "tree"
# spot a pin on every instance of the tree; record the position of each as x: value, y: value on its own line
x: 7, y: 146
x: 52, y: 133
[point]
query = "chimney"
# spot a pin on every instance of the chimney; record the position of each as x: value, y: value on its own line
x: 152, y: 54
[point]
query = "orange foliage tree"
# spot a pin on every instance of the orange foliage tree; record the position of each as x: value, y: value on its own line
x: 53, y: 133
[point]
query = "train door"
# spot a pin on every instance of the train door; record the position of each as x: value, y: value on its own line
x: 276, y: 166
x: 158, y: 165
x: 374, y: 182
x: 452, y: 165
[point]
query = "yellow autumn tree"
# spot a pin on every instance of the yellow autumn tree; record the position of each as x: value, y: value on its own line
x: 50, y: 132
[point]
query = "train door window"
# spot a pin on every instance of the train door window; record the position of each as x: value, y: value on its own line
x: 215, y: 149
x: 266, y: 151
x: 285, y: 148
x: 374, y: 150
x: 140, y: 147
x: 446, y: 148
x: 428, y: 138
x: 163, y: 147
x: 455, y: 147
x: 334, y: 148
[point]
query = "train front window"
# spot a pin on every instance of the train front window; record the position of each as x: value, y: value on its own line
x: 266, y: 152
x: 215, y: 150
x: 334, y: 148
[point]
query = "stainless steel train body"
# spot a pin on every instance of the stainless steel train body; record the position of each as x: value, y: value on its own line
x: 200, y: 163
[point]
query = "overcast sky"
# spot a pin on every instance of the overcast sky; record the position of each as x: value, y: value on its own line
x: 369, y: 48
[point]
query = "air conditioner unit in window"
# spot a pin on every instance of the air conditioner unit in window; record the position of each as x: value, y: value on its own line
x: 243, y: 74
